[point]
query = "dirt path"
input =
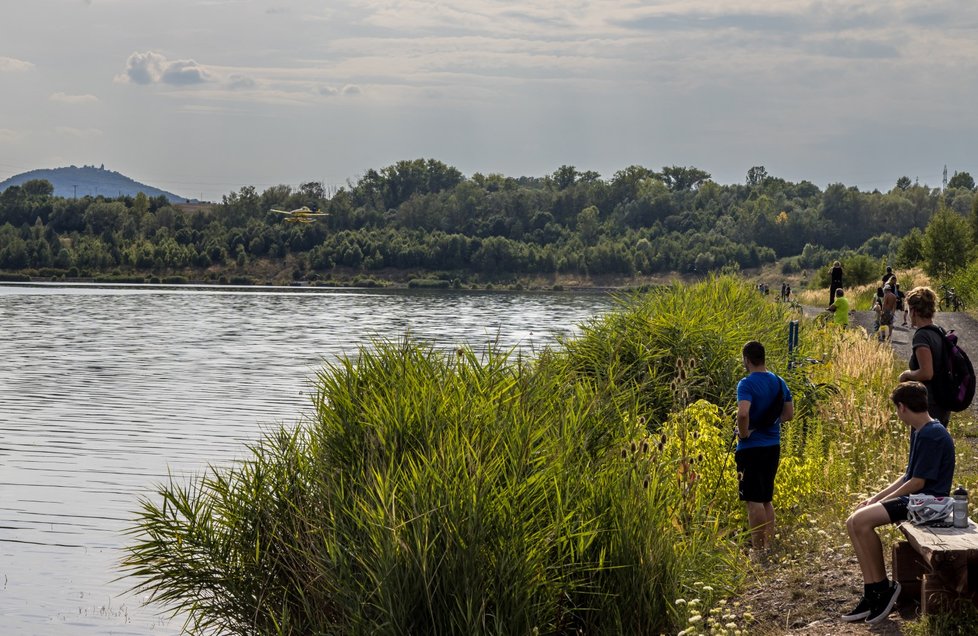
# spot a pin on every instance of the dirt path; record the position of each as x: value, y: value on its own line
x: 807, y: 595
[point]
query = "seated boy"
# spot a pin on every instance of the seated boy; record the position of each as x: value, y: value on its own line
x: 930, y: 470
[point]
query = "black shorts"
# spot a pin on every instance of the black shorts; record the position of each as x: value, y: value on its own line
x: 896, y: 508
x: 756, y: 469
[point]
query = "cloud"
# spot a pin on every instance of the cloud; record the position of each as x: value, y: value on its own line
x: 78, y: 133
x: 13, y: 65
x: 331, y: 91
x: 10, y: 136
x: 153, y: 68
x: 184, y: 72
x: 855, y: 49
x: 236, y: 81
x: 144, y: 68
x: 65, y: 98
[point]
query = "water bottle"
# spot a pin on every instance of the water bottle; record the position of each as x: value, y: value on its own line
x: 960, y: 507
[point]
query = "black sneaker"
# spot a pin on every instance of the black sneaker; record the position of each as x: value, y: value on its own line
x: 883, y: 605
x: 860, y: 612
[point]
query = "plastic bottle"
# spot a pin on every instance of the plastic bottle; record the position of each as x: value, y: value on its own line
x: 960, y: 507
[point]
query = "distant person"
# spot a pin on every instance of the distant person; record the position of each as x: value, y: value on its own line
x: 787, y: 293
x: 887, y: 311
x: 763, y: 404
x: 784, y: 291
x: 901, y: 300
x: 840, y: 309
x: 929, y: 471
x: 877, y: 308
x: 887, y: 275
x: 927, y: 348
x: 836, y: 284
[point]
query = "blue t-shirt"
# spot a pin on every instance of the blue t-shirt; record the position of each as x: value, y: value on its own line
x: 760, y: 388
x: 932, y: 459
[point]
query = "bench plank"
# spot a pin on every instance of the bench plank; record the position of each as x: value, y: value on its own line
x: 947, y: 551
x: 931, y: 539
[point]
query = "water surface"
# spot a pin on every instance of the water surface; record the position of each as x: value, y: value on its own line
x: 104, y: 391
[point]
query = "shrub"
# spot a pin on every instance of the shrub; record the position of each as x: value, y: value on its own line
x: 429, y: 283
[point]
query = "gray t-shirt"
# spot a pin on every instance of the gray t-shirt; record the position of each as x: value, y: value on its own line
x: 927, y: 337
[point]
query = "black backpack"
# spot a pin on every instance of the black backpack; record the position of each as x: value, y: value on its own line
x: 954, y: 381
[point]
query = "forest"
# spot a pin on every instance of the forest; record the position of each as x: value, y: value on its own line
x: 423, y: 219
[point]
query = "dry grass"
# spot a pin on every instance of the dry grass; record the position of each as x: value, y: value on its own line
x: 861, y: 296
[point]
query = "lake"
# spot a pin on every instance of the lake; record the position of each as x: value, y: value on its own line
x: 104, y: 391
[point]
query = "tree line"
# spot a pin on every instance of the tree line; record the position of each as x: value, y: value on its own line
x: 425, y: 216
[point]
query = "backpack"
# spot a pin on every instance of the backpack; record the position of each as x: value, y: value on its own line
x: 954, y: 382
x: 766, y: 418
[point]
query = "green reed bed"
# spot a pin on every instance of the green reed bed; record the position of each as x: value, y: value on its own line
x: 590, y: 488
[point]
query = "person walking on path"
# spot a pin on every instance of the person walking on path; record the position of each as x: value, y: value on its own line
x: 930, y: 470
x: 927, y: 348
x: 763, y: 404
x: 836, y: 280
x: 840, y: 309
x: 887, y: 312
x: 887, y: 275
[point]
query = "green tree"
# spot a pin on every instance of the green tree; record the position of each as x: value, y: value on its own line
x: 904, y: 183
x: 38, y: 188
x: 587, y: 224
x: 974, y: 220
x: 947, y: 243
x: 756, y: 176
x: 683, y: 178
x: 961, y: 180
x: 564, y: 177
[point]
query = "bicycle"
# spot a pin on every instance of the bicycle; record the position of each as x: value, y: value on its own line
x: 950, y: 301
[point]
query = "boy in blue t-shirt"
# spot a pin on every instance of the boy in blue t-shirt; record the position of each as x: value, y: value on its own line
x: 759, y: 397
x: 930, y: 469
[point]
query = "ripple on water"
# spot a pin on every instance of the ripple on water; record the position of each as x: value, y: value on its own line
x: 104, y: 393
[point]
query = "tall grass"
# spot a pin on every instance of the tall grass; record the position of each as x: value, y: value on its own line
x: 584, y: 490
x: 861, y: 296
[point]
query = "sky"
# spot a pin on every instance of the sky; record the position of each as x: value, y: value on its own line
x: 204, y: 97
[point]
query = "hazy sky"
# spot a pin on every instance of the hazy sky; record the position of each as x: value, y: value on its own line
x: 203, y: 97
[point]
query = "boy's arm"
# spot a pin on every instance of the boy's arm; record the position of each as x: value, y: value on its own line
x: 787, y: 412
x: 898, y: 488
x: 743, y: 419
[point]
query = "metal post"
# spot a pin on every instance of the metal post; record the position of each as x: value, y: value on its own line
x: 792, y: 342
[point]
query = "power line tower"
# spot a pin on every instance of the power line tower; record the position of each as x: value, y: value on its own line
x: 945, y: 178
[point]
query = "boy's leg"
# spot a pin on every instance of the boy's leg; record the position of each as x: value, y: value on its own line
x: 760, y: 520
x: 861, y: 526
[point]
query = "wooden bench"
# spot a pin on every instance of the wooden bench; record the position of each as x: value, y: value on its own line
x: 937, y: 565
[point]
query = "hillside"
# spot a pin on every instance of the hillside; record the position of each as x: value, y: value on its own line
x: 72, y: 181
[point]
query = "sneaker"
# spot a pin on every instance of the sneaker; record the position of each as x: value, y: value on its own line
x: 884, y: 604
x: 858, y: 613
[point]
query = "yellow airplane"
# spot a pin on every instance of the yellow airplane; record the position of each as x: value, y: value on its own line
x: 299, y: 215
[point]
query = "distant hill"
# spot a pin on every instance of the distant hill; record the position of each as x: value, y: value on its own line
x: 88, y: 180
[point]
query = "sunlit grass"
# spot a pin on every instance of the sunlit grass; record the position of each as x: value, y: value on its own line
x: 861, y: 296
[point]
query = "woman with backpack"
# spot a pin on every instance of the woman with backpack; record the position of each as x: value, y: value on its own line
x: 928, y: 348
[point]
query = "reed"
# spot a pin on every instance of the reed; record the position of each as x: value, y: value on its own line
x: 584, y: 490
